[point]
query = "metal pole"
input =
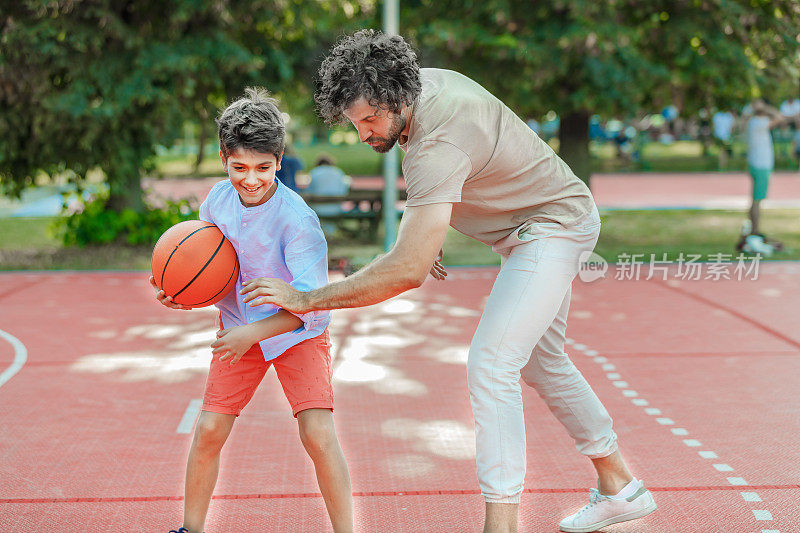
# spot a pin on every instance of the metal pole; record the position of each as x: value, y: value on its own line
x: 391, y: 23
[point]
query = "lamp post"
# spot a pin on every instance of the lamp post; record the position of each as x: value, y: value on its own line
x: 391, y: 22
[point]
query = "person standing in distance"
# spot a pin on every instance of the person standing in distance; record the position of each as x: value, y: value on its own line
x: 472, y: 164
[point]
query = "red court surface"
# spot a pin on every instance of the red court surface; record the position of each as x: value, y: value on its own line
x: 700, y: 376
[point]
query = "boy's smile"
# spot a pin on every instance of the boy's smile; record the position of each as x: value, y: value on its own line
x: 252, y: 174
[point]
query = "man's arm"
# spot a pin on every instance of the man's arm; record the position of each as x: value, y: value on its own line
x: 420, y: 238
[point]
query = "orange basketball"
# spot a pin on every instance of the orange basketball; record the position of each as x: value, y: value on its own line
x: 194, y: 263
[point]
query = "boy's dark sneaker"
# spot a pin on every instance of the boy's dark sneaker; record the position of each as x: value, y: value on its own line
x: 179, y: 530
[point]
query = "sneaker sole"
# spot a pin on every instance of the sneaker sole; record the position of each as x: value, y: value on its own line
x: 615, y: 520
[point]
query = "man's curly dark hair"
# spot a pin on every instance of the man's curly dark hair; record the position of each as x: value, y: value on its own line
x: 381, y: 68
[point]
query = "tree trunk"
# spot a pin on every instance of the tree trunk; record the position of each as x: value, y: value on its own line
x: 202, y: 136
x: 125, y: 189
x: 574, y: 143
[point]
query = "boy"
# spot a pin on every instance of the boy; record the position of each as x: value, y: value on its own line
x: 275, y: 234
x: 760, y: 162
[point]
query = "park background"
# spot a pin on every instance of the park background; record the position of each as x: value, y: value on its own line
x: 108, y: 104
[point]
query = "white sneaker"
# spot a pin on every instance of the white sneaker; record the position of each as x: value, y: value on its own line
x: 755, y: 244
x: 603, y: 511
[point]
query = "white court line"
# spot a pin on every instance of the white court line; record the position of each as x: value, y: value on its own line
x: 189, y: 417
x: 618, y: 382
x: 20, y: 357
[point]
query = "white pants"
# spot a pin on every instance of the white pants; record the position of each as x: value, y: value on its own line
x: 521, y: 333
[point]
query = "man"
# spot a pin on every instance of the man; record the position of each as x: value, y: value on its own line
x: 472, y: 164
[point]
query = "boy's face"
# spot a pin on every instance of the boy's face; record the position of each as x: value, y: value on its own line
x: 252, y: 174
x: 379, y: 128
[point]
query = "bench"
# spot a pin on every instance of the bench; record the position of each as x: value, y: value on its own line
x: 364, y: 206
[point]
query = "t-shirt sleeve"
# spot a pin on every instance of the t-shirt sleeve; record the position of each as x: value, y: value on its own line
x: 306, y: 256
x: 204, y: 213
x: 435, y: 172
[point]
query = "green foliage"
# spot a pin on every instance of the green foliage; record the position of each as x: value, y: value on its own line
x: 96, y: 224
x: 99, y: 83
x: 613, y: 57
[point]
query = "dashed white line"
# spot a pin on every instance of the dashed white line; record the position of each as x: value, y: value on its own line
x: 616, y: 380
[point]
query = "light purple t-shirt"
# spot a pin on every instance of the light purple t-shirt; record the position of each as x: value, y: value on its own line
x: 280, y: 238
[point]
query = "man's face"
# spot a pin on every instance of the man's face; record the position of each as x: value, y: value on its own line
x: 379, y: 128
x: 252, y: 174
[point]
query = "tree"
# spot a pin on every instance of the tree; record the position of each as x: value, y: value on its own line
x: 618, y: 57
x: 99, y: 83
x: 96, y: 84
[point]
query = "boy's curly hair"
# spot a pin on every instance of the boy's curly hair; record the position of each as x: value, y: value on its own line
x: 253, y: 122
x: 381, y: 68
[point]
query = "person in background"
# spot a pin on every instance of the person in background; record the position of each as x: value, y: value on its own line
x: 290, y: 165
x: 760, y: 162
x: 722, y: 126
x: 796, y: 140
x: 327, y: 180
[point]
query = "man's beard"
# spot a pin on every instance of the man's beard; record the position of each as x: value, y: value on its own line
x: 385, y: 144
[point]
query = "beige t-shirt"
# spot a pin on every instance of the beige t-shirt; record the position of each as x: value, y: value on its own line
x: 466, y: 147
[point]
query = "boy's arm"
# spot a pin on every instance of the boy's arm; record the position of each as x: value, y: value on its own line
x: 233, y: 342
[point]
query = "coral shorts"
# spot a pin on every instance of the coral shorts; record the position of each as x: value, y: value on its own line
x: 304, y: 371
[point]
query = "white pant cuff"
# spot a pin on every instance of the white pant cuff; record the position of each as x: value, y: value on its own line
x: 507, y: 499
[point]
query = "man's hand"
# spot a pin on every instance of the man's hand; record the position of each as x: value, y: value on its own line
x: 262, y: 291
x: 437, y: 270
x: 165, y: 300
x: 233, y: 343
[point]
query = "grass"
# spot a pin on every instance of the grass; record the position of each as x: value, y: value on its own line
x: 28, y: 243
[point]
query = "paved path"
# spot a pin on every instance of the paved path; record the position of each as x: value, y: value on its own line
x: 709, y: 190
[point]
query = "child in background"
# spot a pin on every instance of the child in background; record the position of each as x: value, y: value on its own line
x: 276, y: 235
x: 760, y: 162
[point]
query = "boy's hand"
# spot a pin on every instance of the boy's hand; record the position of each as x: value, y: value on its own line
x: 232, y: 343
x: 262, y: 291
x: 165, y: 300
x: 437, y: 270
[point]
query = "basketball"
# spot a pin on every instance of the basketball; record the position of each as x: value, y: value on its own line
x: 194, y: 263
